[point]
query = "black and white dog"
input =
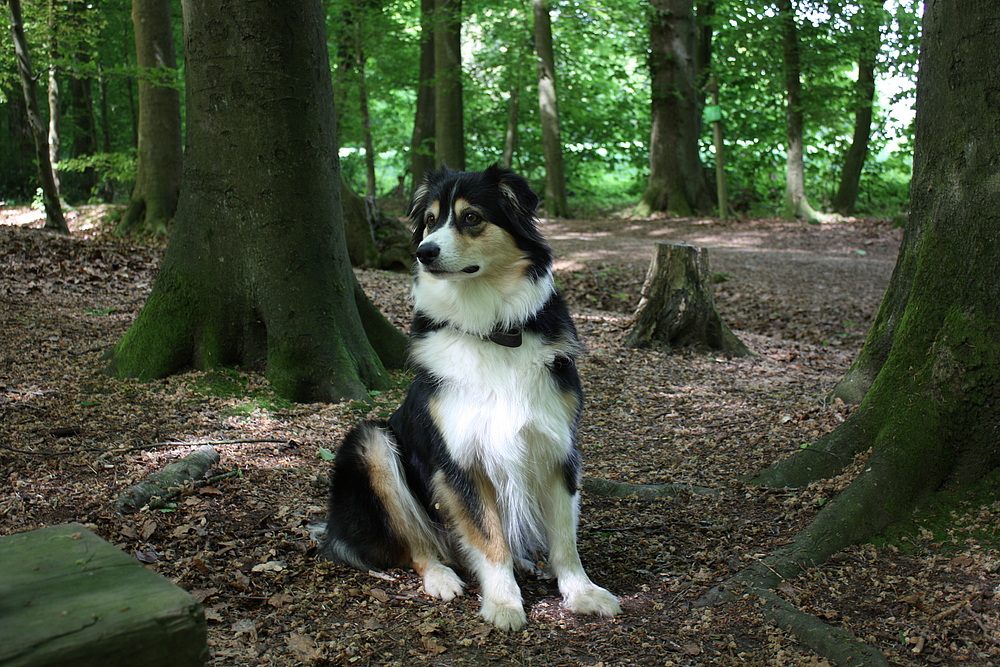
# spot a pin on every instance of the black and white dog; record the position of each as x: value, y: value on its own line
x: 482, y: 454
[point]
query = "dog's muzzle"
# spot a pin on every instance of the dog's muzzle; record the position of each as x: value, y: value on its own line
x: 428, y: 253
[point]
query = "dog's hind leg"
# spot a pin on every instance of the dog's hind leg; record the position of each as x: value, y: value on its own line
x: 480, y: 532
x: 580, y: 594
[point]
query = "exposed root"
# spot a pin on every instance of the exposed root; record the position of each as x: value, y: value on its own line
x: 611, y: 489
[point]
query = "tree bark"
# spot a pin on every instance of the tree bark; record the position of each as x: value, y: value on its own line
x: 449, y: 126
x: 54, y: 220
x: 676, y: 180
x: 256, y: 271
x: 847, y: 191
x: 165, y: 484
x: 422, y: 143
x: 554, y: 203
x: 796, y: 203
x: 159, y: 158
x: 930, y: 416
x: 677, y: 308
x: 53, y: 94
x: 510, y: 136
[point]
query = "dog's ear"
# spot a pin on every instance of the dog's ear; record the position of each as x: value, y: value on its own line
x: 518, y: 198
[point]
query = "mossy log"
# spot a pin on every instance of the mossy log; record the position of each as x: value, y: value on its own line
x: 166, y: 483
x: 67, y: 597
x: 677, y: 308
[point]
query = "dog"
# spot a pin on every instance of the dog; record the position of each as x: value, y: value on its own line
x: 480, y: 461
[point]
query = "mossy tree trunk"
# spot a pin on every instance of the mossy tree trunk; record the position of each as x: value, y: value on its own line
x: 929, y: 419
x: 159, y: 157
x: 257, y: 272
x: 676, y: 179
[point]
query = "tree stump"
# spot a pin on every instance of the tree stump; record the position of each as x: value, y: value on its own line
x: 677, y: 308
x: 67, y: 597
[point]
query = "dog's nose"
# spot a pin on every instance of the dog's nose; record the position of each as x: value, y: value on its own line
x: 428, y: 252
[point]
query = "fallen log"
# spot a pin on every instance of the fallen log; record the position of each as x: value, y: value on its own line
x: 67, y: 597
x: 166, y: 483
x: 677, y: 308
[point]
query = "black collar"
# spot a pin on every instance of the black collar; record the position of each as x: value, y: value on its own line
x: 507, y: 337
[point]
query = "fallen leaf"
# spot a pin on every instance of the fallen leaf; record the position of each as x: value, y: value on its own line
x: 269, y: 566
x: 379, y: 594
x: 302, y: 645
x: 279, y: 599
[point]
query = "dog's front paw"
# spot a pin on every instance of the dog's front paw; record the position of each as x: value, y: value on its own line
x: 504, y: 616
x: 440, y: 581
x: 593, y: 600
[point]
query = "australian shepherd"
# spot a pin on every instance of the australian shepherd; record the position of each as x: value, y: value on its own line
x: 480, y: 464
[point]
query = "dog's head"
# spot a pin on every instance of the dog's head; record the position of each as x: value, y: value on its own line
x: 477, y: 223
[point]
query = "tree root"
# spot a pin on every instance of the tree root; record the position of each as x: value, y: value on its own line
x: 832, y: 642
x: 612, y: 489
x: 822, y: 459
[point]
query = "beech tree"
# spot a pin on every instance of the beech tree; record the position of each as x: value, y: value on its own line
x: 159, y: 157
x: 54, y: 219
x: 676, y: 180
x: 868, y: 24
x: 449, y: 110
x: 422, y: 140
x: 931, y: 383
x: 796, y: 203
x: 256, y: 271
x: 554, y: 200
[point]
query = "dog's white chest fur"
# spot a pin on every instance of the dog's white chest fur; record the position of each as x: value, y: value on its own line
x: 501, y: 412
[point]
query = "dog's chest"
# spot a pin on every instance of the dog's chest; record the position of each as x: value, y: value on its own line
x: 494, y: 405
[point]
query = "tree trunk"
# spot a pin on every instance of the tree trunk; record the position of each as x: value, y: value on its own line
x: 850, y: 177
x: 256, y: 271
x: 55, y: 113
x: 554, y: 202
x: 449, y: 126
x: 54, y: 220
x: 676, y: 179
x: 422, y: 144
x: 366, y: 120
x: 677, y: 308
x: 796, y: 204
x: 930, y: 416
x: 510, y: 137
x: 159, y: 160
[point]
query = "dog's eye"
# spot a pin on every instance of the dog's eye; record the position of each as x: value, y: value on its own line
x: 471, y: 218
x: 430, y: 220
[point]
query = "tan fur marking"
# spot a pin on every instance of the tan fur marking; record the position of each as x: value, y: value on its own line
x: 489, y: 539
x: 382, y: 471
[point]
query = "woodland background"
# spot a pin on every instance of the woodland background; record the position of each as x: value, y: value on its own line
x: 84, y: 56
x: 795, y: 80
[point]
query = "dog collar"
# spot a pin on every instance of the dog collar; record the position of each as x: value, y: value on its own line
x: 506, y: 337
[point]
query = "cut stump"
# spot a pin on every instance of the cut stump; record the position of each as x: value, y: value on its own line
x: 677, y: 308
x: 67, y: 597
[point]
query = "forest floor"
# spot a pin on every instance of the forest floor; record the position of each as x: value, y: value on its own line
x: 801, y: 296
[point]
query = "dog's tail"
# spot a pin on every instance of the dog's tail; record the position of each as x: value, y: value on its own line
x: 373, y: 519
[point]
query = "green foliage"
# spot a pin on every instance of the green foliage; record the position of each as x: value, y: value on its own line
x: 602, y: 80
x: 118, y: 168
